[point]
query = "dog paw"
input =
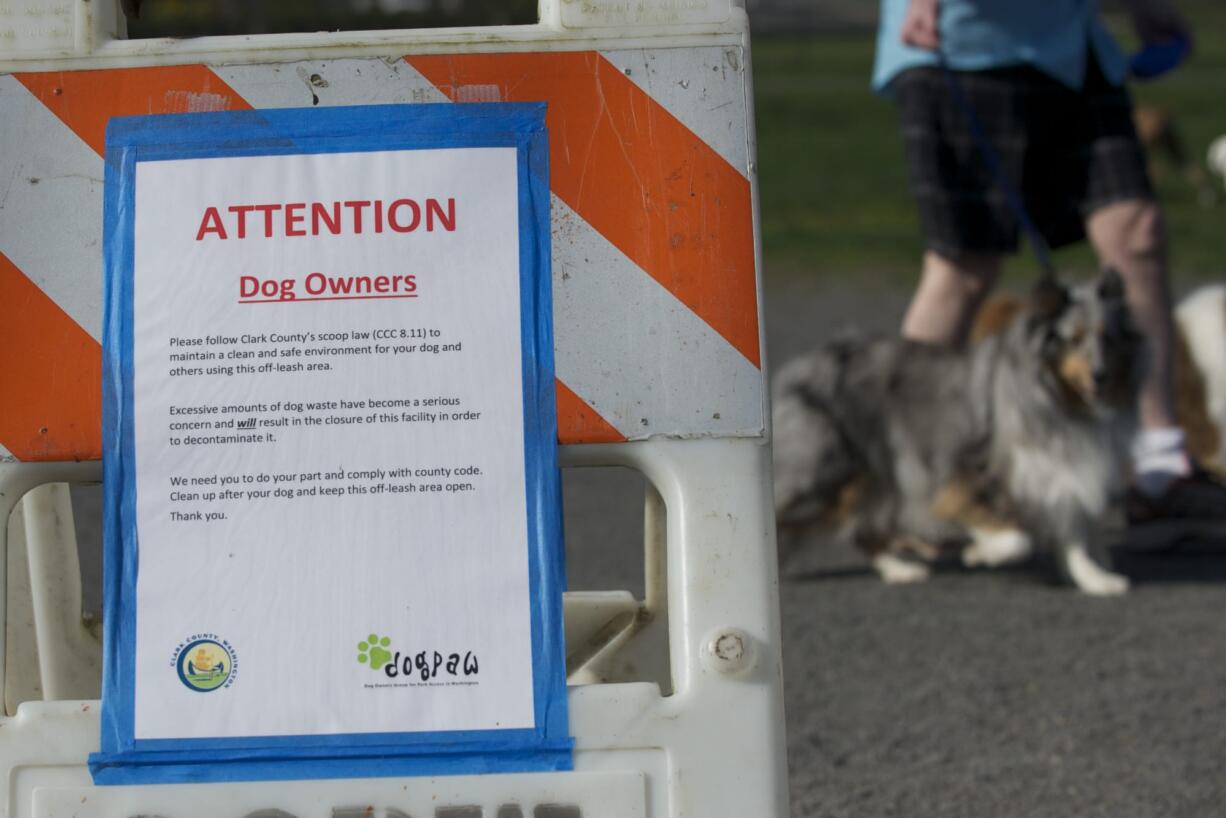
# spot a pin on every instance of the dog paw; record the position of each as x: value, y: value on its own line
x: 897, y: 571
x: 373, y: 651
x: 1105, y: 583
x: 1091, y: 578
x: 992, y: 548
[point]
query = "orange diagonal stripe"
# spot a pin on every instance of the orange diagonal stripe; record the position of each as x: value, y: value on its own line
x: 52, y: 373
x: 86, y: 100
x: 580, y: 423
x: 635, y: 173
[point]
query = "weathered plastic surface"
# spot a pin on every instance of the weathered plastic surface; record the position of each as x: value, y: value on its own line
x: 659, y: 358
x: 715, y: 747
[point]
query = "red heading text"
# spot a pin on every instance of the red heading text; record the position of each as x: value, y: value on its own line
x: 326, y: 218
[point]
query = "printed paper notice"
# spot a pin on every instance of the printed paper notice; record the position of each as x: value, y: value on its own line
x: 329, y: 445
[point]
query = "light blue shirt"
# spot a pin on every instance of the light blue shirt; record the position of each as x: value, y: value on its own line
x: 1054, y: 36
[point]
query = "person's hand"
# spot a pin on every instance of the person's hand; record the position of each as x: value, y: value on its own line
x: 919, y: 25
x: 1158, y: 20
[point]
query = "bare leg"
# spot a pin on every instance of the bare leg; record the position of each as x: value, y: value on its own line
x: 949, y: 293
x: 1130, y: 237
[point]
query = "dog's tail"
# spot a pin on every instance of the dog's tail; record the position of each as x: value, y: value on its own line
x: 812, y: 456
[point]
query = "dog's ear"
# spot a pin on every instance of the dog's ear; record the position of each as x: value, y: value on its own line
x: 1048, y: 298
x: 1111, y: 285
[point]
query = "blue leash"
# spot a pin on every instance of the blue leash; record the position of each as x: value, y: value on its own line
x: 1013, y: 197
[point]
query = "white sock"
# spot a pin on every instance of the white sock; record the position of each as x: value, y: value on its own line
x: 1158, y: 456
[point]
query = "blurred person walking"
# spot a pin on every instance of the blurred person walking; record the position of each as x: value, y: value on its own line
x: 1045, y: 83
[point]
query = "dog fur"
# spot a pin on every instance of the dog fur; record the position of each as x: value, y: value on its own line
x: 1216, y: 157
x: 905, y: 448
x: 1201, y: 374
x: 1199, y: 366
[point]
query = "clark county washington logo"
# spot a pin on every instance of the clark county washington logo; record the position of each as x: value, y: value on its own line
x: 205, y: 662
x: 377, y: 653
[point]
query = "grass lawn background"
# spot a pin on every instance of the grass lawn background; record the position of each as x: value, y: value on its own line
x: 834, y: 195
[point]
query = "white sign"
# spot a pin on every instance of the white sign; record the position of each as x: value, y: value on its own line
x: 328, y: 421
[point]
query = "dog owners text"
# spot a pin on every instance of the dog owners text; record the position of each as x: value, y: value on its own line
x: 352, y: 217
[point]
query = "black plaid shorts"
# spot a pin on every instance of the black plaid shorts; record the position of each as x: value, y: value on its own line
x: 1068, y: 151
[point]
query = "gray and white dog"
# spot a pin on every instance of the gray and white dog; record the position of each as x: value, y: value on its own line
x: 1019, y: 441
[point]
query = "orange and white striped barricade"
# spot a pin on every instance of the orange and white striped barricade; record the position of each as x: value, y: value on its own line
x: 675, y: 699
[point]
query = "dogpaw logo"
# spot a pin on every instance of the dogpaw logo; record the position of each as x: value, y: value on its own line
x: 205, y: 662
x: 373, y: 651
x: 423, y: 666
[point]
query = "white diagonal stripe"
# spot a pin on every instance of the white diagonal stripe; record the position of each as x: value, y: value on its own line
x: 51, y: 205
x: 329, y: 82
x: 637, y: 354
x: 703, y: 87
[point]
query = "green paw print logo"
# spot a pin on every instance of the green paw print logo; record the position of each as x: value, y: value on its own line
x: 373, y: 651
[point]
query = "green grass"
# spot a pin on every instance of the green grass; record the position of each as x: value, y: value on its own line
x: 834, y: 195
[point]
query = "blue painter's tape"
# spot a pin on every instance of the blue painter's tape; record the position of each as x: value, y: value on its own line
x: 123, y: 759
